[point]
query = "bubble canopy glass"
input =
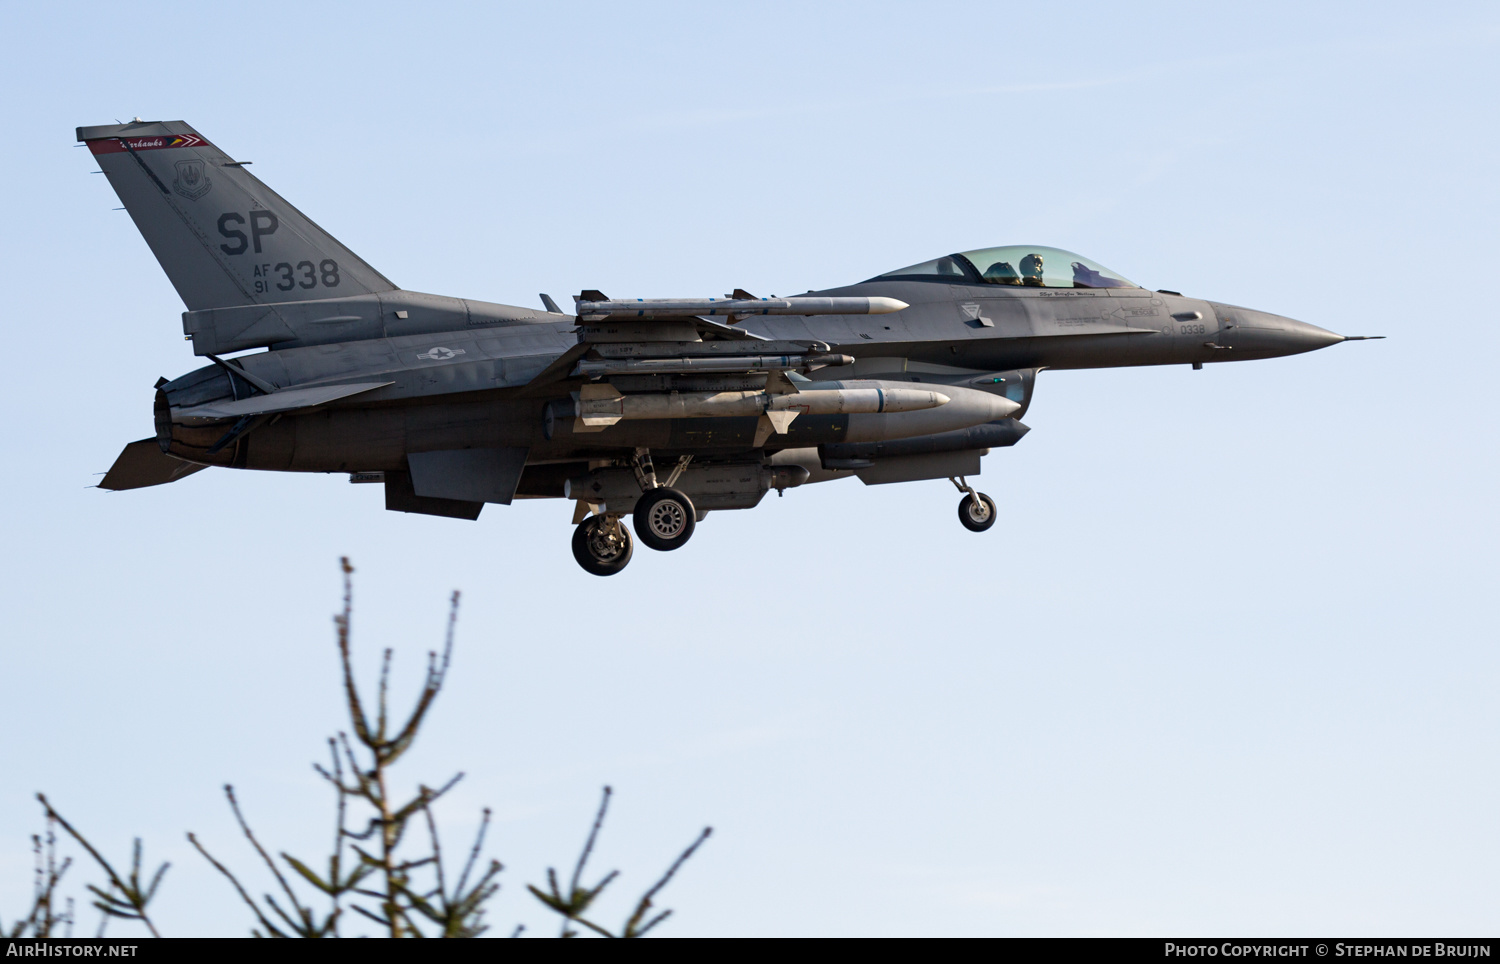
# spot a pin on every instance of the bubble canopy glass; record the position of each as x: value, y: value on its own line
x: 1032, y: 266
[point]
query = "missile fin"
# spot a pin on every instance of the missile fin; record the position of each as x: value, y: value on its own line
x: 595, y: 421
x: 598, y: 390
x: 782, y: 421
x: 772, y: 423
x: 764, y: 429
x: 778, y: 384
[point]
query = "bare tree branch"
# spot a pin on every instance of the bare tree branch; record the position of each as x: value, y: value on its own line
x: 133, y: 904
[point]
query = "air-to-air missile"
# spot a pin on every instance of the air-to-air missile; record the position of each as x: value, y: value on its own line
x: 593, y: 306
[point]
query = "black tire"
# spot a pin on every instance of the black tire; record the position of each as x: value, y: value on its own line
x: 599, y: 554
x: 664, y: 519
x: 977, y: 516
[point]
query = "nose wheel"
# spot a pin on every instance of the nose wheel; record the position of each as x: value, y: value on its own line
x: 601, y: 545
x: 975, y: 510
x: 664, y: 519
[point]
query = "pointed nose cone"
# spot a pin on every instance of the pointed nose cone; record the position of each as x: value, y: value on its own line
x: 1264, y: 335
x: 1299, y: 336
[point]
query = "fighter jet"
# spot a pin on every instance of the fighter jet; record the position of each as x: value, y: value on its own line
x: 663, y: 410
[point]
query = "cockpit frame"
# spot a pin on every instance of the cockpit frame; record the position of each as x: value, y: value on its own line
x: 1020, y: 266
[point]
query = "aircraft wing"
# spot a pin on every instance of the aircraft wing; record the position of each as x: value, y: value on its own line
x: 283, y: 401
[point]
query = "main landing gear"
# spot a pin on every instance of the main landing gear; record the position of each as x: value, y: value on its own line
x: 664, y: 517
x: 664, y: 520
x: 601, y: 545
x: 975, y: 510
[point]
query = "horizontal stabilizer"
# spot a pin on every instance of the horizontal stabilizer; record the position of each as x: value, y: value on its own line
x: 143, y: 463
x: 282, y: 401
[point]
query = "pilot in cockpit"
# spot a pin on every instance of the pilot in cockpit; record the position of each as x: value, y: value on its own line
x: 1031, y: 270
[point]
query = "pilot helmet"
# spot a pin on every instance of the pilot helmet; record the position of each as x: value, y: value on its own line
x: 1031, y: 269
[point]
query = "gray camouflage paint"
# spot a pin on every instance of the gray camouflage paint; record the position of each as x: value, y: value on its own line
x: 454, y: 375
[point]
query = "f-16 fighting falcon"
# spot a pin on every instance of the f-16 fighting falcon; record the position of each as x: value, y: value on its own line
x: 663, y: 410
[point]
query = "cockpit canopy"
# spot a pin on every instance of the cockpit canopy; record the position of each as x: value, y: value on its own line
x: 1030, y: 266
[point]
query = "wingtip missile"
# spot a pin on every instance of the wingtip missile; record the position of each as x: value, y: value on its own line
x: 593, y: 306
x: 885, y: 306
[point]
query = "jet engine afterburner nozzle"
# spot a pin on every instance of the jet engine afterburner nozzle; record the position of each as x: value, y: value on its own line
x: 162, y: 410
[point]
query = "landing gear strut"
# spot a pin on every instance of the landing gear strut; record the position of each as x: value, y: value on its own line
x: 664, y: 517
x: 601, y: 545
x: 975, y: 510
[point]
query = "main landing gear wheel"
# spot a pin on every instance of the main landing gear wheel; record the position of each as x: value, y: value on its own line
x: 602, y: 546
x: 976, y: 511
x: 664, y: 519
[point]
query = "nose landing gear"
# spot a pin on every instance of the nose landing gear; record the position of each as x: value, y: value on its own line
x: 975, y: 510
x: 601, y: 545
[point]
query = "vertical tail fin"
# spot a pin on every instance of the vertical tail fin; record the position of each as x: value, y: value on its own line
x: 223, y: 238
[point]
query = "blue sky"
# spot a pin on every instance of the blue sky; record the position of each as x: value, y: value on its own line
x: 1226, y: 664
